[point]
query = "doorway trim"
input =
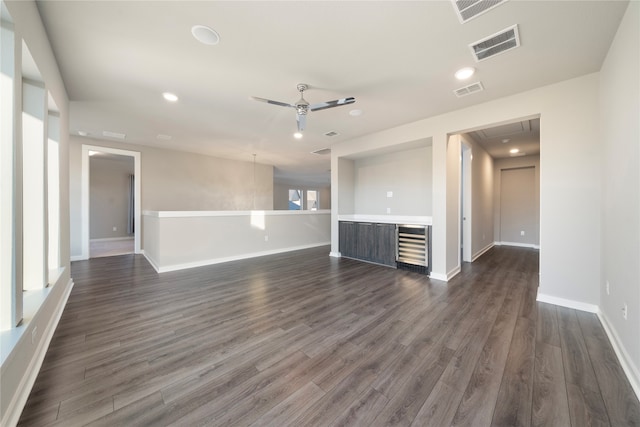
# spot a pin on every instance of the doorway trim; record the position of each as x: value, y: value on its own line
x: 465, y: 206
x: 84, y: 217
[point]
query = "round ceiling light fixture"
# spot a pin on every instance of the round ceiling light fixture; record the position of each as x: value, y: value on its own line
x: 355, y: 113
x: 514, y: 151
x: 297, y: 135
x: 171, y: 97
x: 504, y: 141
x: 205, y: 35
x: 465, y: 73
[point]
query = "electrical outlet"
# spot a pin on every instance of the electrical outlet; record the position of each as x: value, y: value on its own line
x: 608, y: 289
x: 388, y: 210
x: 115, y: 228
x: 522, y: 233
x: 266, y: 237
x: 624, y: 311
x: 34, y: 333
x: 389, y: 193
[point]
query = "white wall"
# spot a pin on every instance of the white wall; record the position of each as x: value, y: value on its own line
x: 21, y: 367
x: 406, y: 174
x: 619, y: 158
x: 500, y: 165
x: 482, y: 198
x: 214, y: 237
x: 569, y: 115
x: 109, y: 196
x: 174, y: 180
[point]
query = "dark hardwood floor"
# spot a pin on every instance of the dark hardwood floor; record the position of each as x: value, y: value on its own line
x: 302, y: 339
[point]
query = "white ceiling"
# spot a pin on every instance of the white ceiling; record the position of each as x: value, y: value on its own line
x: 396, y: 58
x: 523, y: 136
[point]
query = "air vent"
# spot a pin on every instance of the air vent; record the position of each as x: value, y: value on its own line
x: 331, y: 133
x: 468, y: 90
x: 469, y: 9
x: 498, y: 43
x: 322, y: 152
x: 113, y: 134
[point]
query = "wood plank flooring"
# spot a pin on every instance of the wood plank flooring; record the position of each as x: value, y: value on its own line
x: 302, y: 339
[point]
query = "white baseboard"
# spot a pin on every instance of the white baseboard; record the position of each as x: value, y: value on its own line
x: 453, y: 273
x: 482, y: 252
x: 438, y: 276
x: 111, y: 239
x: 518, y: 245
x: 19, y: 399
x: 630, y: 369
x: 335, y: 254
x: 152, y: 261
x: 202, y: 263
x: 576, y: 305
x: 445, y: 277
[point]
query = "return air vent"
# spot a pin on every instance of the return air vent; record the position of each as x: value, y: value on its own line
x: 115, y: 135
x: 322, y: 152
x: 469, y: 9
x: 498, y: 43
x: 331, y: 133
x: 469, y: 89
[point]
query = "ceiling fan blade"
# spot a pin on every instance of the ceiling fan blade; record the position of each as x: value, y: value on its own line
x: 302, y: 121
x: 269, y: 101
x: 331, y: 104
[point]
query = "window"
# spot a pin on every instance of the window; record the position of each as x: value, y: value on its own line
x: 313, y: 201
x: 10, y: 288
x: 29, y: 183
x: 53, y: 195
x: 295, y: 200
x: 33, y: 190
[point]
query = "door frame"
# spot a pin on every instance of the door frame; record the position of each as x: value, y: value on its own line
x: 466, y: 203
x: 84, y: 217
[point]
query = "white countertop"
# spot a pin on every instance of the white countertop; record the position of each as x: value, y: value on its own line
x: 185, y: 214
x: 388, y: 219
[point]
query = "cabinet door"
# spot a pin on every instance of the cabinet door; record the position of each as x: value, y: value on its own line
x: 366, y: 248
x: 385, y: 244
x: 347, y: 239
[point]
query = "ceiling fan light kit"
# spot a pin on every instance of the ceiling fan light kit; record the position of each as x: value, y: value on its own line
x: 302, y: 107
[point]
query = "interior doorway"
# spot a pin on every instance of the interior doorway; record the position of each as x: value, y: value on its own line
x: 87, y: 150
x: 465, y: 202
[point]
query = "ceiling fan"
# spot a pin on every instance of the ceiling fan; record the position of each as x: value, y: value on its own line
x: 302, y: 106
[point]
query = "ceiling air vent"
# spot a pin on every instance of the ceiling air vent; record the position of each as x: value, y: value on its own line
x: 468, y: 90
x: 498, y: 43
x: 469, y: 9
x: 331, y: 133
x: 115, y: 135
x: 322, y: 152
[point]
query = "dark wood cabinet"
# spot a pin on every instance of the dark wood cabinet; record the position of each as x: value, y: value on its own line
x: 348, y: 240
x: 367, y: 241
x: 385, y: 244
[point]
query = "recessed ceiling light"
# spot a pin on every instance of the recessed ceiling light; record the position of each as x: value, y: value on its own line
x: 83, y: 133
x: 514, y: 151
x: 93, y: 153
x: 504, y: 141
x: 205, y: 35
x: 170, y: 96
x: 355, y: 113
x: 297, y: 135
x: 465, y: 73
